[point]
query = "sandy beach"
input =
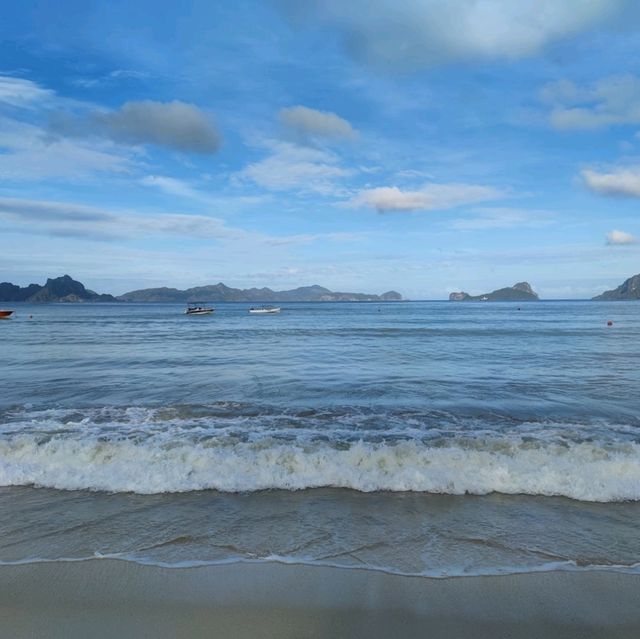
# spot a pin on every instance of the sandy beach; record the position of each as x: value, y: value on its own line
x: 110, y: 598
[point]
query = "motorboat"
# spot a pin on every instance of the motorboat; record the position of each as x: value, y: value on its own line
x: 264, y: 310
x: 5, y: 314
x: 198, y: 308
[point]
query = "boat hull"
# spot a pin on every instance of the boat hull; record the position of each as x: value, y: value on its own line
x: 260, y: 311
x: 5, y: 314
x: 206, y: 311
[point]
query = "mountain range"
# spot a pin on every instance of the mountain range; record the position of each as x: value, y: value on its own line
x: 222, y: 293
x: 66, y: 289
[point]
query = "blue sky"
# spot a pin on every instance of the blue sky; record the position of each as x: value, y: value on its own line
x: 421, y: 146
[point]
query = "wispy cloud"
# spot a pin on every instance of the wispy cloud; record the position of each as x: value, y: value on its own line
x: 616, y: 238
x: 30, y: 154
x: 187, y: 191
x: 290, y: 167
x: 19, y: 92
x: 613, y: 100
x: 429, y: 198
x: 76, y: 221
x: 503, y: 218
x: 65, y: 219
x: 113, y: 76
x: 308, y: 238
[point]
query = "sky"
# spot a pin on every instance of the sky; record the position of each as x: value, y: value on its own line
x: 415, y: 145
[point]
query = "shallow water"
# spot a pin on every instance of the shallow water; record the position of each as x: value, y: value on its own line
x: 190, y: 419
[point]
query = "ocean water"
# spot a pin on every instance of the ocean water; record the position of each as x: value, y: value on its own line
x: 421, y: 438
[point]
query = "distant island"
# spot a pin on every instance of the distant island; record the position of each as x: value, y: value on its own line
x: 520, y: 292
x: 59, y: 289
x: 66, y: 289
x: 628, y: 290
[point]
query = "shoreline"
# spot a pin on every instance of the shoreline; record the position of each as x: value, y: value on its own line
x: 109, y: 597
x: 551, y: 567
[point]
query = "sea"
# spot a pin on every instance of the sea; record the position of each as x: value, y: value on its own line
x: 432, y: 439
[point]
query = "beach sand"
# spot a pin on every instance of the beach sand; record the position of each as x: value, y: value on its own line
x: 110, y: 598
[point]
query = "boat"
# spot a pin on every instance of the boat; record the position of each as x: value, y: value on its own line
x: 264, y: 310
x: 198, y: 308
x: 5, y: 314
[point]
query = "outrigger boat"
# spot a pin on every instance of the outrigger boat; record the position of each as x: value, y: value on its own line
x: 198, y: 308
x: 264, y: 310
x: 5, y: 314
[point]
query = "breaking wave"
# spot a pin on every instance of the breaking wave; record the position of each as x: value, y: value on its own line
x: 149, y: 451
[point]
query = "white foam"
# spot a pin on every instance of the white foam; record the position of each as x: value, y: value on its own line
x: 589, y: 471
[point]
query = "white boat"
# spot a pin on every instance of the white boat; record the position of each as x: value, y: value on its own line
x: 198, y: 308
x: 264, y: 310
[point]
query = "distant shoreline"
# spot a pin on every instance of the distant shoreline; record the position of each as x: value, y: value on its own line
x: 390, y: 302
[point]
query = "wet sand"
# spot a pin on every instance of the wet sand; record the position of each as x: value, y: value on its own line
x: 109, y: 598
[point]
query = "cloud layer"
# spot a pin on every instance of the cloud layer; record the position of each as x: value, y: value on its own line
x: 428, y: 32
x: 65, y: 219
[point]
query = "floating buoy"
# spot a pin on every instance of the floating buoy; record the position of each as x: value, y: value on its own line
x: 609, y: 323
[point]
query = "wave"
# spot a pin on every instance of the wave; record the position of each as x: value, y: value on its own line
x: 240, y: 448
x: 585, y: 471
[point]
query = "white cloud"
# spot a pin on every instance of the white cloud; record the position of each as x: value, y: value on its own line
x: 430, y: 197
x: 613, y: 100
x: 310, y: 123
x: 426, y: 32
x: 620, y: 237
x: 295, y: 168
x: 621, y: 182
x: 18, y: 92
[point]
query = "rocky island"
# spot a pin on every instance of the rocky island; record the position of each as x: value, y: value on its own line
x: 520, y: 292
x: 59, y: 289
x: 628, y: 290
